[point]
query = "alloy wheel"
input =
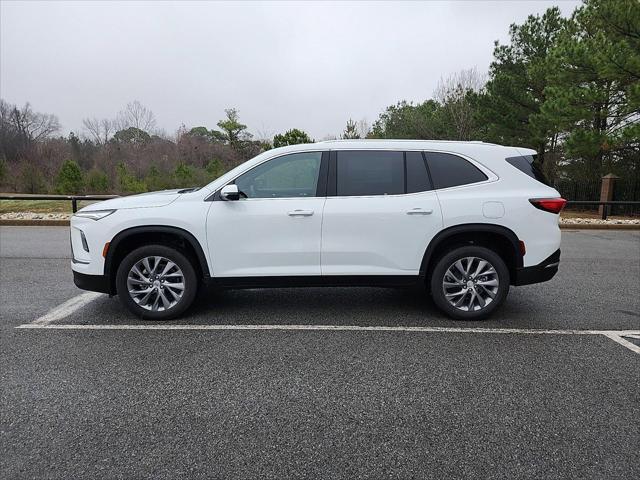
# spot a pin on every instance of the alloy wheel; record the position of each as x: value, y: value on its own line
x: 155, y: 283
x: 470, y: 284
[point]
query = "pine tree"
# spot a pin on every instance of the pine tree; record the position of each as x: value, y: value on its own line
x: 69, y: 180
x: 351, y: 131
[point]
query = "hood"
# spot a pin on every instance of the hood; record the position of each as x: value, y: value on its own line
x: 143, y: 200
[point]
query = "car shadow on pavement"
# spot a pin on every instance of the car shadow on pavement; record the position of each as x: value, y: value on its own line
x: 313, y: 306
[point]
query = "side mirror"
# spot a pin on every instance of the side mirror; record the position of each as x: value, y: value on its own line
x: 230, y: 192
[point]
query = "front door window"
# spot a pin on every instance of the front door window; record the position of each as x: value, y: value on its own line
x: 294, y: 175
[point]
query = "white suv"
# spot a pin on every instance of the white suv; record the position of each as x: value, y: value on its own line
x: 465, y: 219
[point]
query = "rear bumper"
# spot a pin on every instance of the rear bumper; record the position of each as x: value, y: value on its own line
x: 94, y: 283
x: 542, y: 272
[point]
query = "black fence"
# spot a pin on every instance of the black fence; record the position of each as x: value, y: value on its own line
x: 581, y: 195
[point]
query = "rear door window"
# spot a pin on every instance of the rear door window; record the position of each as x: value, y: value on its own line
x: 370, y: 172
x: 448, y: 170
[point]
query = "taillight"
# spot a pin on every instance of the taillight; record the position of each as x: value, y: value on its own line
x: 551, y: 205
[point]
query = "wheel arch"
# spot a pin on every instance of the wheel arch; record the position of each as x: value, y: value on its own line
x: 131, y: 238
x: 498, y: 238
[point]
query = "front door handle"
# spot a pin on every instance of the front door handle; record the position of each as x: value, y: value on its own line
x: 301, y: 213
x: 419, y: 211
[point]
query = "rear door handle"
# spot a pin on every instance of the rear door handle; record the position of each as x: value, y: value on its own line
x: 301, y: 213
x: 419, y: 211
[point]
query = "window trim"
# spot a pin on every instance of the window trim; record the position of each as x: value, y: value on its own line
x: 321, y: 186
x: 330, y: 156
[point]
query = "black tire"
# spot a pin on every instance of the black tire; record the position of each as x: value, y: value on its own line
x: 184, y: 264
x: 462, y: 253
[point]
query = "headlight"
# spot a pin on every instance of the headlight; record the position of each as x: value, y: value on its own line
x: 94, y: 214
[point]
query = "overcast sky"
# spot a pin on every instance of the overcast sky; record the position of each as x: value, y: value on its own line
x: 282, y: 65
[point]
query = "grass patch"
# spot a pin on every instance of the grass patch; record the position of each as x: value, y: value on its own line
x: 39, y: 206
x: 593, y: 214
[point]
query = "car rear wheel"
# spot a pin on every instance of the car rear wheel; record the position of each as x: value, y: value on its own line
x: 469, y: 283
x: 156, y: 282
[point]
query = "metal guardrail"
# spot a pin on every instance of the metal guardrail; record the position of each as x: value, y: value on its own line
x: 72, y: 198
x: 75, y: 198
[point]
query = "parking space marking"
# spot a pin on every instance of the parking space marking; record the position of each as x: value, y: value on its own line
x: 625, y: 343
x: 615, y: 335
x: 374, y: 328
x: 66, y: 309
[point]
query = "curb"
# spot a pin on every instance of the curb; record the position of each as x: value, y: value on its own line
x: 563, y: 226
x: 595, y: 226
x: 34, y: 223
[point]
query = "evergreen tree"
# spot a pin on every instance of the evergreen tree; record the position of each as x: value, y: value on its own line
x: 128, y: 183
x: 595, y: 94
x: 69, y: 180
x: 97, y: 182
x: 184, y: 175
x: 234, y: 132
x: 518, y: 77
x: 291, y: 137
x: 351, y: 131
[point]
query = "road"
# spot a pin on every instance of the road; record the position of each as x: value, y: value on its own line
x: 341, y: 403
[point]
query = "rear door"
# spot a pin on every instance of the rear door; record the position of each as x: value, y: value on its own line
x: 380, y: 214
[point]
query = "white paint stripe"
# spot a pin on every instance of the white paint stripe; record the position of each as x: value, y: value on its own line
x: 155, y: 326
x: 66, y: 309
x: 625, y: 343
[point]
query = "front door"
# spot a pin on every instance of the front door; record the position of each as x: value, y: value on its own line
x: 275, y: 228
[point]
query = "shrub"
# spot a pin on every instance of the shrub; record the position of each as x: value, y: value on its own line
x: 69, y: 180
x: 184, y: 176
x: 156, y: 180
x: 214, y: 169
x: 97, y: 182
x: 30, y: 179
x: 128, y: 183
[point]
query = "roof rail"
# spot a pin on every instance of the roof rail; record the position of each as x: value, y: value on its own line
x: 405, y: 140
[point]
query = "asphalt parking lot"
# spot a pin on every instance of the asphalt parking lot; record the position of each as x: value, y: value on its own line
x: 321, y: 383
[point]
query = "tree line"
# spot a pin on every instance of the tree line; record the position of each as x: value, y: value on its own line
x: 567, y: 87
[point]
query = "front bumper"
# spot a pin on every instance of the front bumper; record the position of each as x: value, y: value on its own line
x: 94, y: 283
x: 542, y: 272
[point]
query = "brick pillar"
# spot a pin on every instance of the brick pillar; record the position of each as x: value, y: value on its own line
x: 606, y: 193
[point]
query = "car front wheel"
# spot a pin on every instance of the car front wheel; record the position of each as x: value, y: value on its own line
x: 156, y: 282
x: 470, y: 282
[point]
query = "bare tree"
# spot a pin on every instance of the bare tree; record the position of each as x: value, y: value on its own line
x: 33, y: 126
x: 136, y: 115
x: 453, y: 94
x: 99, y: 130
x: 363, y: 128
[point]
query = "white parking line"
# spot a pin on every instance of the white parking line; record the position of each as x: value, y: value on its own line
x: 70, y: 306
x: 66, y: 309
x: 625, y: 343
x: 612, y: 334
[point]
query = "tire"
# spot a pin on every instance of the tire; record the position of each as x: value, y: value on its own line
x: 470, y: 284
x: 158, y: 296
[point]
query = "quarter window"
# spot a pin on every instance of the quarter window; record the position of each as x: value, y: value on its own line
x: 362, y: 173
x: 451, y: 170
x: 294, y: 175
x: 528, y: 164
